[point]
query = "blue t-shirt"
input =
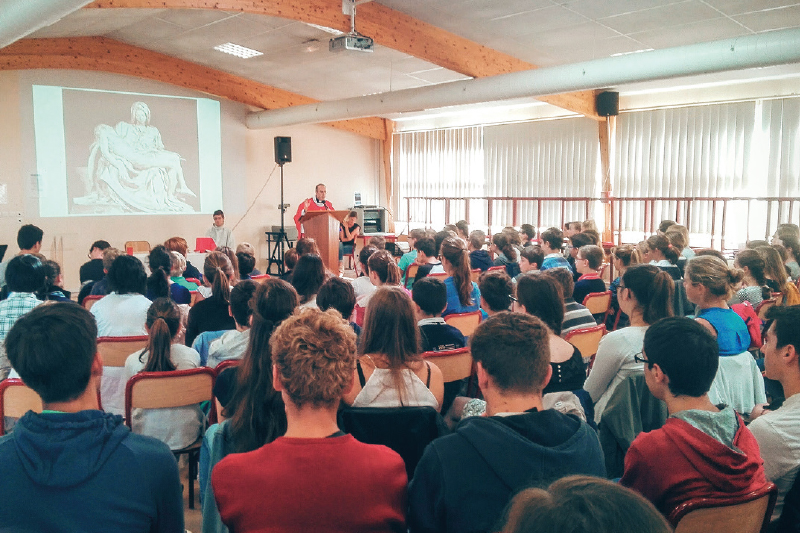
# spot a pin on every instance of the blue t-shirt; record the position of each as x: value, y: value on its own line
x: 732, y: 335
x: 454, y: 303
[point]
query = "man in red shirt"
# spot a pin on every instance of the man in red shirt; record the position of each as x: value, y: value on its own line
x: 703, y: 450
x: 314, y: 478
x: 317, y: 203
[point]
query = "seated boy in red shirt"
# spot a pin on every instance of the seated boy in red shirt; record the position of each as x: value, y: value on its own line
x: 703, y: 450
x: 314, y: 478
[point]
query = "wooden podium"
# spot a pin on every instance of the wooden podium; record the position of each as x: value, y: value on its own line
x: 323, y: 226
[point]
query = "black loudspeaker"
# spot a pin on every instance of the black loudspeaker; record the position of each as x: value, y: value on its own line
x: 607, y: 104
x: 283, y: 150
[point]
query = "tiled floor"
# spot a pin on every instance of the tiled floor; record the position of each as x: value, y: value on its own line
x: 192, y: 517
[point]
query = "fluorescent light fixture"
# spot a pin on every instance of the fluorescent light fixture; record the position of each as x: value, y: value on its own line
x: 633, y: 52
x: 238, y: 51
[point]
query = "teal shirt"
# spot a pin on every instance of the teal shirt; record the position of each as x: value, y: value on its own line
x: 407, y: 259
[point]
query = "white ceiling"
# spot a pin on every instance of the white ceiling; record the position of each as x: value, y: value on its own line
x: 542, y: 32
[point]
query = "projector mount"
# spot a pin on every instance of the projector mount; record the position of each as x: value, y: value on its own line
x: 353, y: 40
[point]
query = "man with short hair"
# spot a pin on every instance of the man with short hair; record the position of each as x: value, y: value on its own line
x: 703, y: 450
x: 74, y: 467
x: 317, y: 203
x: 25, y: 276
x: 588, y: 263
x: 551, y: 241
x: 576, y: 316
x: 464, y: 480
x: 315, y: 477
x: 222, y: 236
x: 478, y: 257
x: 92, y: 270
x: 29, y: 240
x: 496, y: 289
x: 233, y: 343
x: 430, y: 301
x: 530, y: 259
x: 778, y: 432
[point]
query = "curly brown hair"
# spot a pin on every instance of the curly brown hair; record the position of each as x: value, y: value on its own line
x: 314, y: 354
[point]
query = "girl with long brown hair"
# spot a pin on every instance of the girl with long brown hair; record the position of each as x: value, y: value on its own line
x: 390, y: 370
x: 211, y: 314
x: 463, y: 295
x: 383, y: 271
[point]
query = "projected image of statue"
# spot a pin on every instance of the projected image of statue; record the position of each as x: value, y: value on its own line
x: 129, y: 168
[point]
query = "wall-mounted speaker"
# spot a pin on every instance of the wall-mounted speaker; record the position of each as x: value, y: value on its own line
x: 607, y: 104
x: 283, y: 150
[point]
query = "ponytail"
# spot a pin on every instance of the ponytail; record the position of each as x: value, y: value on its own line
x: 504, y: 244
x: 218, y: 270
x: 453, y: 250
x: 662, y: 244
x: 653, y: 289
x: 163, y: 321
x: 714, y: 274
x: 382, y: 263
x: 158, y: 283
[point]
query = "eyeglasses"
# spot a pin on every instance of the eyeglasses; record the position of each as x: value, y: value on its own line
x: 621, y: 286
x: 639, y: 359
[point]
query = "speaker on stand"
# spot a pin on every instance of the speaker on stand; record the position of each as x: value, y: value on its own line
x: 283, y: 155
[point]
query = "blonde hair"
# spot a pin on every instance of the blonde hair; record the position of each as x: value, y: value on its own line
x: 714, y: 274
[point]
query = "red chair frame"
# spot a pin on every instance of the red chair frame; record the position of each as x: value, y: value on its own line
x: 704, y: 503
x: 456, y: 316
x: 4, y: 385
x: 598, y: 295
x: 195, y: 281
x: 90, y: 300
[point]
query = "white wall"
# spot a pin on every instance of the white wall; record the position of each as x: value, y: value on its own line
x: 345, y: 162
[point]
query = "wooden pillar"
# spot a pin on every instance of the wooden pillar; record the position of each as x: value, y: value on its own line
x: 607, y: 131
x: 388, y: 181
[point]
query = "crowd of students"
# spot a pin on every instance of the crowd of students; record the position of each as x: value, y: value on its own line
x: 311, y: 343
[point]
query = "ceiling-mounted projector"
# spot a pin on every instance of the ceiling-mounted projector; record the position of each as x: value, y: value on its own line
x: 351, y: 41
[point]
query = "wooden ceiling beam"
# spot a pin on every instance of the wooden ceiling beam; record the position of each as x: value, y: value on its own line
x: 102, y: 54
x: 387, y: 27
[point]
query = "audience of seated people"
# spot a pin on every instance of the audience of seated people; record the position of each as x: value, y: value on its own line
x: 551, y: 241
x: 233, y: 343
x: 430, y: 300
x: 211, y: 313
x: 231, y: 255
x: 571, y: 228
x: 622, y: 257
x: 92, y: 270
x: 505, y: 254
x: 778, y: 432
x: 308, y: 276
x: 539, y: 295
x: 678, y: 237
x: 478, y: 257
x: 576, y: 316
x: 24, y: 277
x: 159, y: 284
x: 389, y: 369
x: 530, y: 259
x: 496, y: 291
x: 306, y: 245
x: 644, y: 295
x: 176, y: 427
x: 583, y: 504
x: 410, y: 257
x: 527, y: 233
x: 280, y: 486
x: 427, y: 259
x: 709, y: 285
x: 336, y: 293
x: 464, y: 480
x: 179, y: 244
x: 383, y: 271
x: 73, y: 467
x: 462, y: 230
x: 588, y: 263
x: 703, y: 450
x: 362, y: 285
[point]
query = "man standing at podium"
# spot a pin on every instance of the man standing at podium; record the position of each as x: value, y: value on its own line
x: 318, y: 203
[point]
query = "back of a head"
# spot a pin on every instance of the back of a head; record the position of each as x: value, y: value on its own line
x: 51, y: 272
x: 427, y: 246
x: 177, y: 244
x: 246, y: 248
x: 788, y: 228
x: 773, y: 266
x: 662, y: 244
x: 28, y: 236
x: 338, y: 294
x: 554, y: 238
x: 306, y: 245
x: 314, y: 356
x: 627, y: 254
x: 163, y: 322
x: 25, y: 273
x: 784, y: 320
x: 308, y: 276
x: 430, y: 294
x: 382, y: 263
x: 441, y: 236
x: 653, y: 289
x: 583, y: 504
x: 177, y: 263
x: 690, y: 364
x: 109, y: 255
x: 416, y: 233
x: 52, y: 348
x: 528, y: 230
x: 756, y: 243
x: 714, y: 274
x: 364, y: 255
x: 456, y: 254
x: 665, y: 225
x: 513, y: 348
x: 290, y: 258
x: 754, y: 263
x: 234, y: 276
x: 477, y: 239
x: 218, y: 271
x: 241, y: 294
x: 160, y: 267
x: 533, y: 254
x: 274, y: 301
x: 127, y: 276
x: 589, y: 225
x: 378, y: 242
x: 711, y: 252
x: 580, y: 239
x: 390, y: 327
x: 541, y: 297
x: 496, y: 290
x: 676, y: 238
x: 99, y: 245
x: 593, y: 235
x: 564, y: 280
x: 594, y: 255
x: 246, y: 264
x: 513, y: 235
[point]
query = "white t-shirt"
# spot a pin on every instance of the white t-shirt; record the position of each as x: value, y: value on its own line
x: 177, y: 427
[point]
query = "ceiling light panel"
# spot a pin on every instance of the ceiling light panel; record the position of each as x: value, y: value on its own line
x: 237, y: 50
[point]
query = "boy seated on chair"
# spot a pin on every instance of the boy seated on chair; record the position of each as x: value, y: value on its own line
x: 430, y: 300
x: 496, y: 290
x: 576, y: 316
x: 427, y: 258
x: 74, y: 467
x: 233, y: 343
x: 588, y: 263
x: 315, y: 477
x: 703, y: 450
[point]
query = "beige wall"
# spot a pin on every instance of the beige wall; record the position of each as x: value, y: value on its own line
x: 345, y: 162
